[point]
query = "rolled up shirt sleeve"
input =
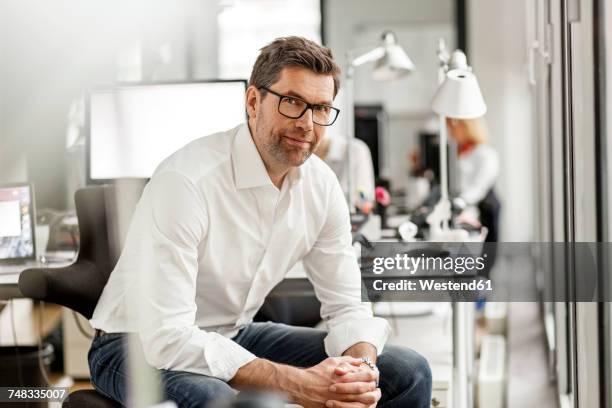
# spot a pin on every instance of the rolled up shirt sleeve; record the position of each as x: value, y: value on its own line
x: 331, y: 266
x: 167, y: 284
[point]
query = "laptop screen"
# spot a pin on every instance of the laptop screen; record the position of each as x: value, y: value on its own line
x: 16, y: 223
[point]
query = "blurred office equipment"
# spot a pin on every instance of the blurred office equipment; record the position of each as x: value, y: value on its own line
x: 17, y: 226
x: 429, y: 160
x: 391, y: 62
x: 492, y: 375
x: 370, y: 122
x: 132, y: 128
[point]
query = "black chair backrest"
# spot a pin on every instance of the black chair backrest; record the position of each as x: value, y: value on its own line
x: 94, y: 245
x: 101, y: 230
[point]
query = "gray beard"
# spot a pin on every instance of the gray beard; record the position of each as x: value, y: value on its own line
x: 276, y: 150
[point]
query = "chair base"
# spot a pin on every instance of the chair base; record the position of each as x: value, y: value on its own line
x: 89, y: 399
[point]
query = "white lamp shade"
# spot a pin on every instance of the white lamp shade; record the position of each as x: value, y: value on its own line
x: 459, y: 96
x: 394, y: 64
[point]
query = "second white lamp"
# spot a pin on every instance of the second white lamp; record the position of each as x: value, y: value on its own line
x: 459, y: 96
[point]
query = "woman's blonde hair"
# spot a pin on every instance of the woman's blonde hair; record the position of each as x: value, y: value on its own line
x: 475, y: 129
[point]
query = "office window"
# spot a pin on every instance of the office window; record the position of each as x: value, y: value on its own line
x: 247, y: 25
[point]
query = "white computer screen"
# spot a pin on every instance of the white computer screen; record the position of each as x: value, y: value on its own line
x: 133, y: 128
x: 16, y: 218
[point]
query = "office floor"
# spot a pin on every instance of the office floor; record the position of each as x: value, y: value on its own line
x: 528, y: 382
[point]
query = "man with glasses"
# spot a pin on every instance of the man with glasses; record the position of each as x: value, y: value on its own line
x: 218, y: 226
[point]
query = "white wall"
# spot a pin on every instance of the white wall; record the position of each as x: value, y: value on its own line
x: 53, y: 51
x: 497, y: 44
x: 203, y: 38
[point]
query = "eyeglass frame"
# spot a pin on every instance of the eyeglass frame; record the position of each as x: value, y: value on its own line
x: 308, y: 106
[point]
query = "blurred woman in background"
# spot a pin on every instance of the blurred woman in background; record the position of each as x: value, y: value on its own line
x: 478, y: 169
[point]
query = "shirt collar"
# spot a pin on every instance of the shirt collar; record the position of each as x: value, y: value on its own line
x: 249, y: 168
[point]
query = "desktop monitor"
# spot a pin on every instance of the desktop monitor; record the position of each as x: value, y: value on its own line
x: 132, y: 128
x: 369, y: 123
x: 17, y: 223
x: 429, y: 145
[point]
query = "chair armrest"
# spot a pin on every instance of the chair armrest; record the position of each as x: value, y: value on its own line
x: 77, y: 286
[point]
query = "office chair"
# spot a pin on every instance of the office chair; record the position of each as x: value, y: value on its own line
x: 79, y: 286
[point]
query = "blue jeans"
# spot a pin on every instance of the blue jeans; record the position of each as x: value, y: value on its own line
x: 405, y: 377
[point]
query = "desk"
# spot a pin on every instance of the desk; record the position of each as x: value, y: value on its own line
x: 8, y: 286
x: 9, y: 289
x: 28, y: 326
x: 9, y: 282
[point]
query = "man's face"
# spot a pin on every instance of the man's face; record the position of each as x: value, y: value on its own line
x: 285, y: 142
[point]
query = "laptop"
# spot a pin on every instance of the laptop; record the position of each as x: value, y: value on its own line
x: 17, y: 228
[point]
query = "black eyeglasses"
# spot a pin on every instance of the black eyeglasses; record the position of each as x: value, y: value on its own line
x: 294, y: 108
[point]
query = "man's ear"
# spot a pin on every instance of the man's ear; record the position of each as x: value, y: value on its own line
x: 253, y: 97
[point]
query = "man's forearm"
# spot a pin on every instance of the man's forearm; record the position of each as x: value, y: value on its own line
x: 362, y: 349
x: 266, y: 375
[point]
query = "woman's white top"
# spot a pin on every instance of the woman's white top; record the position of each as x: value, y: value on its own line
x: 478, y: 170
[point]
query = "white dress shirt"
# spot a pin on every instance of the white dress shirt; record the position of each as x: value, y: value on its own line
x: 209, y: 239
x: 361, y: 166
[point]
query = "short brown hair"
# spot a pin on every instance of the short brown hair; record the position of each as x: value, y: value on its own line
x: 293, y: 52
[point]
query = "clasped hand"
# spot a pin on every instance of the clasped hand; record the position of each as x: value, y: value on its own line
x: 340, y: 382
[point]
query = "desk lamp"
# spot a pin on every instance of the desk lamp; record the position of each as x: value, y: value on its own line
x: 392, y: 63
x: 458, y: 96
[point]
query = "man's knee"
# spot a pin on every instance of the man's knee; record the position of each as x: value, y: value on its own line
x: 193, y: 390
x: 421, y: 378
x: 407, y: 374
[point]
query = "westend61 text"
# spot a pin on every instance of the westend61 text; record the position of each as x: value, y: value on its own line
x: 431, y: 285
